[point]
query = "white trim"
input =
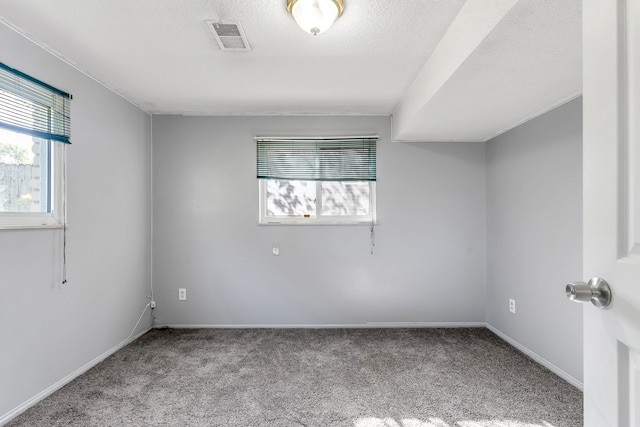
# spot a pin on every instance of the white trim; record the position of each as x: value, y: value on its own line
x: 368, y: 325
x: 537, y: 358
x: 64, y: 381
x: 425, y: 324
x: 68, y: 61
x: 271, y: 114
x: 312, y: 138
x: 37, y: 224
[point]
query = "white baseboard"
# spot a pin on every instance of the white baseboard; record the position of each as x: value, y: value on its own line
x: 64, y: 381
x: 539, y: 359
x: 331, y: 325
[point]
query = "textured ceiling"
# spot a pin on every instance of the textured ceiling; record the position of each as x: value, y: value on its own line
x: 160, y: 55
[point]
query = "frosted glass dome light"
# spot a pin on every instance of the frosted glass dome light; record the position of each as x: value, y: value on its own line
x: 315, y: 16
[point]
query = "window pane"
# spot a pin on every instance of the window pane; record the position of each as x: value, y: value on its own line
x: 24, y: 161
x: 291, y: 198
x: 345, y: 198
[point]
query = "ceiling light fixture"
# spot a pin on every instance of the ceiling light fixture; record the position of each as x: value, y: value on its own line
x: 315, y: 16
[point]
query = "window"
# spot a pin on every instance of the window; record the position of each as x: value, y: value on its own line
x: 317, y: 180
x: 34, y: 119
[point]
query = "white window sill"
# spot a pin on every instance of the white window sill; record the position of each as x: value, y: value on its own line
x: 312, y: 222
x: 30, y: 226
x: 9, y: 221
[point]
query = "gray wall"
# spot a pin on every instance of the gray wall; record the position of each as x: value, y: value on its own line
x: 429, y: 261
x: 534, y: 235
x: 50, y: 330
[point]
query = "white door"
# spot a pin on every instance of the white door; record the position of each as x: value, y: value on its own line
x: 611, y: 46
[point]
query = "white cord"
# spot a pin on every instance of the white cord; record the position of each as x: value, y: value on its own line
x: 139, y: 319
x: 153, y: 300
x: 151, y: 297
x: 64, y: 213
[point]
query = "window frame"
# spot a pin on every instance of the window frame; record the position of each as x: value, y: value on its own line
x: 51, y: 126
x: 55, y: 217
x: 316, y: 159
x: 265, y: 219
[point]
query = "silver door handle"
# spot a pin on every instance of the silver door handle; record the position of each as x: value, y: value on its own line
x: 597, y: 291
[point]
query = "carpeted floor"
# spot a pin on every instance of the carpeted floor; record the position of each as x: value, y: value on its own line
x: 314, y: 378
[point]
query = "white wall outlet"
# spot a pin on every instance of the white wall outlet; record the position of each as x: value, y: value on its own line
x: 275, y: 250
x: 182, y: 294
x: 512, y: 305
x: 152, y: 304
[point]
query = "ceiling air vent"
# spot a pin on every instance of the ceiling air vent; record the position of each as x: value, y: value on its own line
x: 229, y: 35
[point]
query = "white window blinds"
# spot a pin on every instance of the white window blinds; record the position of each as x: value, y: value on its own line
x: 32, y: 107
x: 317, y: 159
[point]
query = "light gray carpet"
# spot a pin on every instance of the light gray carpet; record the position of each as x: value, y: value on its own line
x: 314, y: 378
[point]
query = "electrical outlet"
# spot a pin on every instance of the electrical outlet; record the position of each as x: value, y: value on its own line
x: 512, y: 306
x: 275, y: 250
x: 182, y: 294
x: 152, y: 304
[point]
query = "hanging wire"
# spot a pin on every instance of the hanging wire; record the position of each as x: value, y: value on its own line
x: 138, y: 322
x: 373, y: 237
x: 152, y: 302
x: 64, y: 214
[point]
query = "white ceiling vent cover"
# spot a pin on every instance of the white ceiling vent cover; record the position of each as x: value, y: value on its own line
x: 229, y: 35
